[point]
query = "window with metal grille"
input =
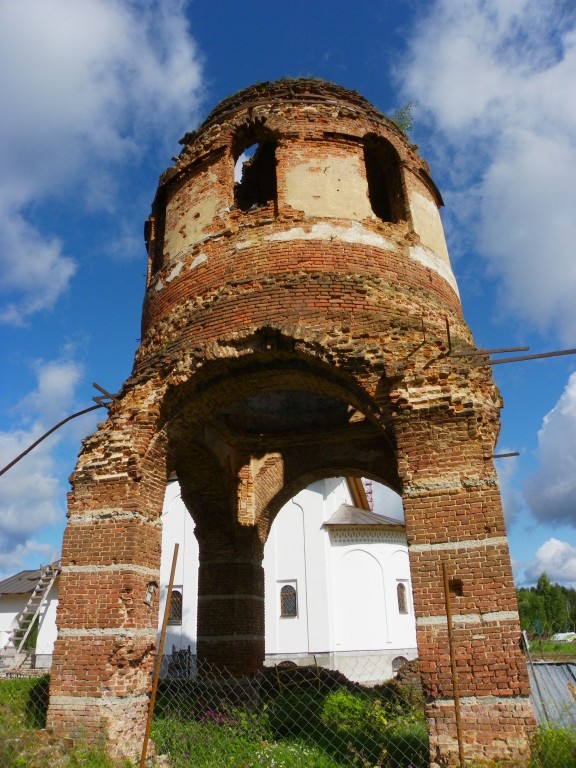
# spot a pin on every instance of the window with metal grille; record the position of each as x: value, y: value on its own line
x: 175, y: 616
x: 288, y: 601
x: 402, y: 598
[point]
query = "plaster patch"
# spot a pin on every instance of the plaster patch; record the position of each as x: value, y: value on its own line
x: 329, y: 185
x: 355, y: 233
x: 243, y: 245
x: 429, y: 259
x: 175, y: 272
x: 428, y: 224
x: 200, y: 259
x: 159, y: 285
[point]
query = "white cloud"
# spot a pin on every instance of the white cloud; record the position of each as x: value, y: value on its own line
x: 88, y: 89
x: 31, y: 495
x: 493, y: 80
x: 11, y: 562
x: 551, y: 491
x: 34, y: 270
x: 557, y: 559
x: 506, y: 469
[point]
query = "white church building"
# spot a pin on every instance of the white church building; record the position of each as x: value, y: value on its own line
x: 337, y: 582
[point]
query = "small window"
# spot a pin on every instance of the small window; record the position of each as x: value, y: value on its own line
x: 175, y: 616
x: 398, y: 662
x: 257, y: 184
x: 384, y: 179
x: 288, y: 601
x: 402, y: 598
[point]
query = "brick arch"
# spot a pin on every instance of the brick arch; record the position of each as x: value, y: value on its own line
x: 294, y: 485
x: 278, y: 345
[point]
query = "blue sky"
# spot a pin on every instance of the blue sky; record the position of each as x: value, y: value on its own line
x: 97, y: 93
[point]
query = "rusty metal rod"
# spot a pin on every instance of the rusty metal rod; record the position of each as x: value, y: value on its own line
x: 505, y: 455
x: 47, y: 434
x: 467, y: 352
x: 453, y: 666
x: 528, y: 357
x: 158, y: 664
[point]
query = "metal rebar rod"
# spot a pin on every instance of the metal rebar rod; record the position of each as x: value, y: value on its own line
x: 520, y: 358
x: 47, y: 434
x: 505, y: 455
x: 451, y: 646
x: 158, y: 664
x: 467, y: 352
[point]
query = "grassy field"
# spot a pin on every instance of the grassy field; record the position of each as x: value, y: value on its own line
x: 552, y: 650
x: 23, y: 741
x: 307, y: 729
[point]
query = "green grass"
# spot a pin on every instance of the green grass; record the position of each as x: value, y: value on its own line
x: 24, y: 743
x: 551, y: 649
x: 337, y: 728
x: 323, y: 729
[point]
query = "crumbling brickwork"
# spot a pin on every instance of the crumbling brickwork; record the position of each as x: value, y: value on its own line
x: 294, y: 327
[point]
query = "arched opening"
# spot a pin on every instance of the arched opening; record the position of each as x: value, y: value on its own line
x: 254, y: 156
x: 384, y: 179
x: 240, y: 455
x: 330, y: 572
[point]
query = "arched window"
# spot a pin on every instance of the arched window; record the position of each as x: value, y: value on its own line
x: 257, y: 184
x: 288, y: 601
x: 175, y: 616
x: 254, y: 153
x: 384, y: 180
x: 402, y: 598
x: 398, y: 662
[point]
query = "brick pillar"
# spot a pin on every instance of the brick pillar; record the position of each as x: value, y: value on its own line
x: 454, y: 515
x: 231, y: 599
x: 104, y: 653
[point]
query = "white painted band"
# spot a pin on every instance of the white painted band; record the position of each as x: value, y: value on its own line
x: 228, y: 638
x: 496, y: 541
x: 98, y: 701
x: 108, y: 632
x: 112, y: 515
x: 485, y: 701
x: 429, y: 259
x: 353, y: 233
x: 141, y: 569
x: 455, y: 484
x: 468, y: 618
x: 216, y: 598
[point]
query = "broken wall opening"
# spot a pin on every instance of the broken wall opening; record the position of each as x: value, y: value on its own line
x: 257, y: 184
x: 384, y: 179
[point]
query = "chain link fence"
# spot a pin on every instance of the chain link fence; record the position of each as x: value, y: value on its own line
x: 290, y: 716
x: 287, y: 716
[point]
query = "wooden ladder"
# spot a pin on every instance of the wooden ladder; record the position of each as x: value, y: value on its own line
x: 27, y: 616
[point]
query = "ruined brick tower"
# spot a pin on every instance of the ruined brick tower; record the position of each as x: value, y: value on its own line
x: 294, y: 327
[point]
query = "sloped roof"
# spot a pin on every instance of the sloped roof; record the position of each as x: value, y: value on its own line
x: 24, y: 582
x: 21, y: 583
x: 346, y: 514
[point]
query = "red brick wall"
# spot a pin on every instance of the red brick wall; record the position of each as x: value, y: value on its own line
x: 346, y: 314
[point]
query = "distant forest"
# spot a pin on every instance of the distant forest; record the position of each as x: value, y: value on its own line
x: 547, y: 608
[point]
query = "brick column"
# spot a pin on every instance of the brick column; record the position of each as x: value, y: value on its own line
x: 104, y: 653
x: 454, y: 515
x: 231, y: 599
